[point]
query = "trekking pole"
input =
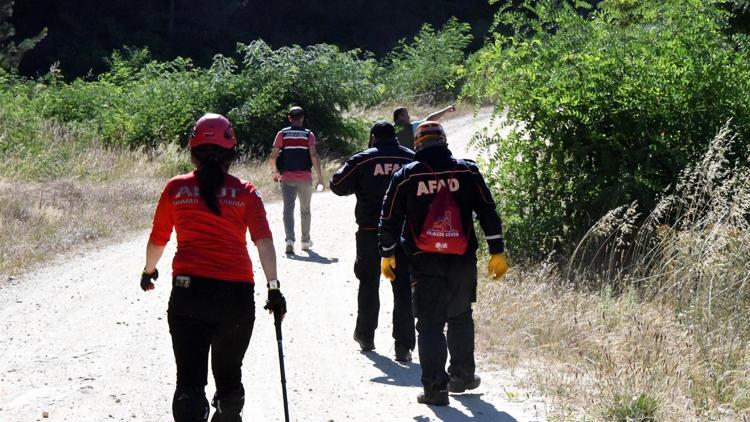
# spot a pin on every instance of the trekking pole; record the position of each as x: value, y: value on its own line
x: 277, y: 322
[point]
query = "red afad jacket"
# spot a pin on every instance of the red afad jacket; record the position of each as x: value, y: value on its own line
x: 210, y: 245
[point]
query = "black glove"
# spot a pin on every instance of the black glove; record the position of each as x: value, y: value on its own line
x: 146, y: 279
x: 275, y: 302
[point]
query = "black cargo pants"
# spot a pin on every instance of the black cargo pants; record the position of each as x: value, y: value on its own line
x: 210, y: 314
x: 444, y: 286
x: 367, y: 271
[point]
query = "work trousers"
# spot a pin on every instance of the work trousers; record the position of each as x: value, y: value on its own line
x: 210, y: 314
x: 444, y: 286
x: 367, y: 271
x: 290, y: 191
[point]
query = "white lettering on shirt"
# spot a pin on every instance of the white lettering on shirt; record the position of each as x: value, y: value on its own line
x: 430, y: 187
x: 386, y: 169
x: 195, y: 192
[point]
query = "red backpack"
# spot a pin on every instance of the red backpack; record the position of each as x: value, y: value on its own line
x: 442, y: 231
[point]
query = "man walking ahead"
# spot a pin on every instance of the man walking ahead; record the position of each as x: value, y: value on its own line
x: 367, y: 174
x: 292, y: 159
x: 405, y: 127
x: 435, y: 197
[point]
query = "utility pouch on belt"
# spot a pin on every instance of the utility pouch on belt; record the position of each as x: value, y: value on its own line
x: 182, y: 281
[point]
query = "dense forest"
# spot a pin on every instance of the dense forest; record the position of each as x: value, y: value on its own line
x: 83, y: 32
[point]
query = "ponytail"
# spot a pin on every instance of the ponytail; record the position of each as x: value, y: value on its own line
x: 212, y: 164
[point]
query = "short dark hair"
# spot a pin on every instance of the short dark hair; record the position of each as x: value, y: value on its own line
x: 296, y: 112
x: 397, y: 112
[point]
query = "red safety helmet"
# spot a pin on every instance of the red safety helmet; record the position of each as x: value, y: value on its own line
x: 213, y: 129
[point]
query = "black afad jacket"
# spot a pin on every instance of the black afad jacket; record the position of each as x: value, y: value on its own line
x: 367, y: 174
x: 411, y: 192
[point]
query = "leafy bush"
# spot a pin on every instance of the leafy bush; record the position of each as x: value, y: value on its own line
x: 427, y: 69
x: 321, y: 79
x: 691, y: 253
x: 606, y: 107
x: 141, y: 102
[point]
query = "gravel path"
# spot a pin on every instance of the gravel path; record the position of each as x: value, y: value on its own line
x: 81, y: 342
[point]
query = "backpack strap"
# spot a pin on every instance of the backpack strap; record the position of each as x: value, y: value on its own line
x: 456, y: 163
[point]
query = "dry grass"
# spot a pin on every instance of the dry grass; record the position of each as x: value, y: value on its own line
x: 649, y: 319
x: 586, y: 350
x: 97, y: 193
x: 38, y: 220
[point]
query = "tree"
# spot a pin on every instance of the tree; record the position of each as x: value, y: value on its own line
x: 606, y: 109
x: 10, y: 52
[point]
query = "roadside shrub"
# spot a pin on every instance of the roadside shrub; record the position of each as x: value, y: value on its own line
x: 690, y: 253
x: 32, y: 146
x: 138, y: 102
x: 428, y: 68
x: 606, y: 107
x: 18, y: 124
x: 141, y: 102
x: 650, y: 316
x: 321, y: 79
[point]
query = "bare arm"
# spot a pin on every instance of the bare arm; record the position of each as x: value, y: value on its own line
x: 267, y: 255
x: 272, y: 163
x: 438, y: 114
x: 316, y: 163
x: 153, y: 254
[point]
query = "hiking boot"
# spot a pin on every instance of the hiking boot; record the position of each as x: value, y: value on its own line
x: 402, y: 354
x: 306, y: 246
x: 459, y: 384
x: 433, y: 396
x: 364, y: 344
x: 289, y: 247
x: 229, y: 406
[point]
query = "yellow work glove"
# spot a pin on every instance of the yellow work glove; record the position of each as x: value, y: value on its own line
x: 498, y: 265
x: 387, y: 265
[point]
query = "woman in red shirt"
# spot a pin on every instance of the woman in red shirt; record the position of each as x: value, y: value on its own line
x: 211, y: 305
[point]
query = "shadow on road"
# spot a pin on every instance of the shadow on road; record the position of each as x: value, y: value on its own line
x: 481, y: 411
x: 312, y: 257
x: 403, y: 375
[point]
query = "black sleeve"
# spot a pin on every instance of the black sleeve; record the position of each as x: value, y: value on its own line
x: 345, y: 180
x: 392, y: 215
x: 484, y: 207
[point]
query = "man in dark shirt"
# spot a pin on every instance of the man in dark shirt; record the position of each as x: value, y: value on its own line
x: 366, y: 175
x: 405, y: 127
x: 293, y: 156
x: 443, y: 285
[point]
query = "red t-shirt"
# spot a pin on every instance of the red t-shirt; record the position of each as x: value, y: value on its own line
x: 305, y: 176
x: 210, y: 245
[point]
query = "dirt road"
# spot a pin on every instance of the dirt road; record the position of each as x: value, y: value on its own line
x: 80, y: 341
